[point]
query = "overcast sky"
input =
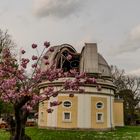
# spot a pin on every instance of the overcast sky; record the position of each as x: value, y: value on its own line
x: 113, y: 24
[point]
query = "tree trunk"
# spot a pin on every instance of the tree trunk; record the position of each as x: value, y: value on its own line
x: 18, y: 131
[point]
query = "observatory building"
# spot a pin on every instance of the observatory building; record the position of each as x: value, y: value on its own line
x: 93, y: 109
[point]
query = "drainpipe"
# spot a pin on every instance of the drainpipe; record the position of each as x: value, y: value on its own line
x: 110, y: 111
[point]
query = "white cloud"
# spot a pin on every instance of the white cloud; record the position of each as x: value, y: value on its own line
x: 134, y: 72
x: 135, y: 33
x: 81, y: 42
x: 56, y: 8
x: 132, y: 42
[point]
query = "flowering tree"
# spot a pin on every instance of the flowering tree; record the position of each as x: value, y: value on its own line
x: 22, y: 90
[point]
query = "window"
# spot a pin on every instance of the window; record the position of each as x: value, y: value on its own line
x: 41, y: 114
x: 65, y: 63
x: 41, y: 117
x: 99, y: 117
x: 99, y: 105
x: 67, y: 104
x: 67, y: 116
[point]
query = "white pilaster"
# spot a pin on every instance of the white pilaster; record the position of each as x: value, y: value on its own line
x: 84, y: 111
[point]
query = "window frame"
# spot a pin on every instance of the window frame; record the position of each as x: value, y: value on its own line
x: 66, y: 120
x: 101, y: 103
x: 66, y: 106
x: 102, y: 118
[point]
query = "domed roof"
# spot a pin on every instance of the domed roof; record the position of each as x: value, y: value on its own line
x: 90, y: 61
x: 55, y: 54
x: 104, y: 68
x: 93, y: 62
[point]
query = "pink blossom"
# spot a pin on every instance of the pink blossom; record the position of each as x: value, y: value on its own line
x: 91, y: 81
x: 23, y: 51
x: 73, y: 72
x: 24, y: 62
x: 50, y: 110
x: 34, y: 57
x: 71, y: 95
x: 34, y: 46
x: 55, y: 94
x: 22, y: 77
x: 1, y: 73
x: 7, y: 84
x: 94, y: 81
x: 50, y: 89
x: 46, y: 44
x: 34, y: 65
x: 36, y: 97
x: 29, y: 108
x: 82, y: 75
x: 51, y: 49
x: 45, y: 57
x: 47, y: 63
x: 69, y: 57
x: 55, y: 103
x: 66, y: 74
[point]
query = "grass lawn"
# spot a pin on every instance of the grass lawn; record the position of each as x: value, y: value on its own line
x: 125, y: 133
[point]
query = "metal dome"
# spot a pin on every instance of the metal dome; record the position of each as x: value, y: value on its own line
x: 90, y: 61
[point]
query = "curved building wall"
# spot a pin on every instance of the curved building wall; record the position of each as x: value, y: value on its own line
x: 83, y: 111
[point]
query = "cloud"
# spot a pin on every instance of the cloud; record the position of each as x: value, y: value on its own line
x: 3, y: 11
x: 132, y: 42
x: 85, y: 39
x: 134, y: 72
x: 57, y: 8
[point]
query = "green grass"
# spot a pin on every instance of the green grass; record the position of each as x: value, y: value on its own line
x: 3, y: 135
x: 125, y: 133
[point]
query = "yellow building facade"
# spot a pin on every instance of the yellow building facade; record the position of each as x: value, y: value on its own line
x: 95, y: 108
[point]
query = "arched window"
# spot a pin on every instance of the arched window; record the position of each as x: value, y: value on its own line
x: 99, y: 105
x: 66, y: 64
x: 67, y: 104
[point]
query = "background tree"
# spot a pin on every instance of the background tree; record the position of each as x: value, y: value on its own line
x: 5, y: 40
x: 128, y: 88
x: 5, y: 109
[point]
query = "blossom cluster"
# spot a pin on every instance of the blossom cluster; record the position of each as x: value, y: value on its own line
x: 22, y: 90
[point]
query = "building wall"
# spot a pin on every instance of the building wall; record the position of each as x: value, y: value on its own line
x: 42, y: 114
x: 118, y: 113
x: 72, y: 110
x: 83, y: 110
x: 95, y: 111
x: 52, y: 117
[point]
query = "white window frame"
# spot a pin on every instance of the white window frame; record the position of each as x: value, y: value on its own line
x: 66, y: 120
x: 102, y: 105
x: 102, y: 119
x: 67, y: 101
